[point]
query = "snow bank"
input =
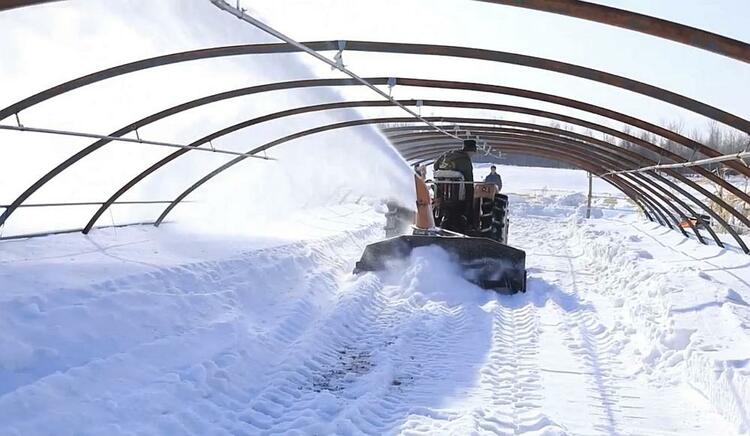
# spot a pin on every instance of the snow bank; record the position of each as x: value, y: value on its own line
x: 143, y: 351
x: 684, y: 311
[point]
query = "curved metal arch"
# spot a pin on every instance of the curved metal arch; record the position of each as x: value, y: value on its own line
x: 658, y: 210
x: 480, y: 87
x: 635, y: 157
x: 625, y: 19
x: 605, y: 150
x: 11, y: 4
x: 396, y: 48
x: 378, y: 103
x: 634, y: 21
x: 603, y: 153
x: 724, y: 205
x: 656, y: 206
x: 592, y: 165
x: 628, y: 155
x: 376, y: 121
x: 344, y: 125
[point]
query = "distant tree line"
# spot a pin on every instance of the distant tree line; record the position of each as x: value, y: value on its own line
x: 725, y: 140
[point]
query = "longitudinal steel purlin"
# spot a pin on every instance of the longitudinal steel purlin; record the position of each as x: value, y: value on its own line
x: 359, y: 123
x: 639, y: 23
x: 622, y: 158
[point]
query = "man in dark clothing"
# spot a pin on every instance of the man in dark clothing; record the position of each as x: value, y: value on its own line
x: 494, y: 177
x: 457, y: 217
x: 457, y: 160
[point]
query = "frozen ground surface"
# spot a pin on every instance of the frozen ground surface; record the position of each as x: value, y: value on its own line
x: 626, y: 328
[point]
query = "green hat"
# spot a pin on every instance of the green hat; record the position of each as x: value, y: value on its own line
x: 470, y: 145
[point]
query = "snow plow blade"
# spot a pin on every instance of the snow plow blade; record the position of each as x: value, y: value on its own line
x: 486, y: 262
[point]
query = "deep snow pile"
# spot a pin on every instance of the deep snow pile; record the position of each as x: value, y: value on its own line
x: 626, y: 328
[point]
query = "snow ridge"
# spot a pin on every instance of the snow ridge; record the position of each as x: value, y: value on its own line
x: 672, y: 314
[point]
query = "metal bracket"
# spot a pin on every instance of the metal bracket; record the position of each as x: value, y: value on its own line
x: 18, y: 120
x: 338, y: 58
x: 695, y: 150
x: 391, y: 84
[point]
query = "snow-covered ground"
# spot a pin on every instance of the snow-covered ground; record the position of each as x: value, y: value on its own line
x: 626, y: 328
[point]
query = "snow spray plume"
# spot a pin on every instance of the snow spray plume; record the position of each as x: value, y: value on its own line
x: 76, y: 39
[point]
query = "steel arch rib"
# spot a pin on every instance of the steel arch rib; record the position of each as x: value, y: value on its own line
x: 657, y: 208
x: 528, y: 111
x: 671, y: 172
x: 364, y: 122
x: 11, y: 4
x: 688, y: 143
x: 625, y: 19
x: 659, y: 212
x: 605, y: 154
x: 579, y: 141
x: 658, y: 27
x: 598, y: 145
x: 489, y: 106
x: 595, y: 168
x: 397, y: 48
x: 352, y: 124
x: 632, y: 155
x: 619, y: 184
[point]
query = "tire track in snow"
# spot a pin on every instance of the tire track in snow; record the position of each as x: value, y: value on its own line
x: 402, y: 351
x: 586, y: 386
x: 511, y: 377
x: 288, y: 389
x: 198, y: 352
x: 592, y: 350
x: 430, y: 348
x: 589, y: 342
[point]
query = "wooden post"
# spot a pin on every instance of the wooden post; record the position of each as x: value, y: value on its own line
x: 588, y: 202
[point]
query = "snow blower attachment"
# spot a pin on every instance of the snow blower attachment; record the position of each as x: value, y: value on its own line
x: 480, y: 249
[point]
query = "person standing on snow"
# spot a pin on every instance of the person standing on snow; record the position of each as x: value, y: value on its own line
x: 494, y: 177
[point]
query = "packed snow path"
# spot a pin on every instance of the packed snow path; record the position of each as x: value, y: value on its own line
x: 284, y: 340
x: 423, y: 353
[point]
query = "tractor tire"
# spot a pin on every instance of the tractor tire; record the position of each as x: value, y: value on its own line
x: 500, y: 219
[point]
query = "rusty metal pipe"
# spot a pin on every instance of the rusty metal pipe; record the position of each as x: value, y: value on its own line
x: 636, y: 22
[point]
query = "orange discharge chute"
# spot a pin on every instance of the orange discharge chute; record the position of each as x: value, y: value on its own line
x: 424, y: 219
